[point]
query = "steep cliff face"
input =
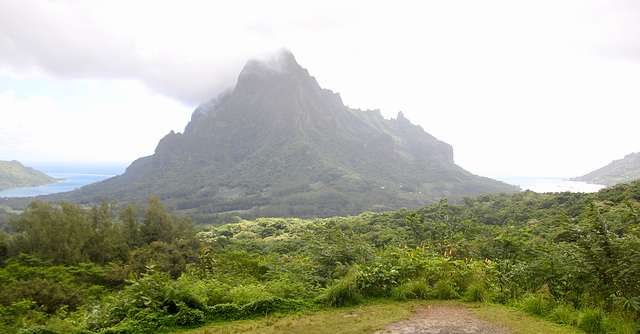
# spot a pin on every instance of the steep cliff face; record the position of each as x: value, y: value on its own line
x: 279, y: 140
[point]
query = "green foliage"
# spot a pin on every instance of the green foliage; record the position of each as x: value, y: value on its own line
x: 342, y: 292
x: 335, y: 249
x: 619, y: 171
x: 535, y: 304
x: 591, y: 320
x: 413, y: 289
x: 476, y: 292
x: 14, y: 175
x: 564, y: 314
x: 564, y: 254
x: 444, y: 289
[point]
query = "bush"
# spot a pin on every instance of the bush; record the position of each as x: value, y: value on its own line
x: 291, y: 289
x: 619, y: 324
x: 227, y: 311
x: 534, y: 304
x: 341, y: 293
x: 36, y: 330
x: 444, y: 290
x: 418, y: 289
x: 476, y: 292
x: 235, y: 311
x: 402, y: 292
x: 248, y: 293
x: 591, y: 320
x: 564, y: 314
x: 186, y: 316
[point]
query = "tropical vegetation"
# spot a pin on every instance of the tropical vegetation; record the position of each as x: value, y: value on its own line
x: 618, y: 171
x: 570, y: 257
x: 13, y: 174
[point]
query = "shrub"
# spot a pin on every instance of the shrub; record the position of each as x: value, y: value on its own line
x: 36, y: 330
x: 411, y: 290
x: 476, y: 292
x: 444, y: 290
x: 291, y: 289
x: 534, y: 304
x: 186, y: 316
x: 402, y: 292
x: 619, y: 324
x: 248, y: 293
x: 420, y: 289
x: 342, y: 292
x: 591, y: 320
x: 227, y: 311
x: 564, y: 314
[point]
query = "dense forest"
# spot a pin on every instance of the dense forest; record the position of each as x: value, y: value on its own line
x: 570, y: 257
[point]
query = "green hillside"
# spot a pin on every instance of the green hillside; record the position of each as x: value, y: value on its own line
x: 570, y: 258
x: 279, y: 145
x: 14, y: 175
x: 618, y: 171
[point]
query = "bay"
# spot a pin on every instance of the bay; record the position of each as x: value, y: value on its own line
x: 550, y: 184
x: 71, y: 182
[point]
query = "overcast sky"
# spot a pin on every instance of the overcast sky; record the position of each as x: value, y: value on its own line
x: 528, y: 88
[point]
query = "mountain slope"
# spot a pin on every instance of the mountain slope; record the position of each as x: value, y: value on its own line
x: 15, y: 175
x: 618, y: 171
x: 280, y: 145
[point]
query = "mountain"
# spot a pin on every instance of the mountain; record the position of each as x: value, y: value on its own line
x: 624, y: 170
x: 280, y: 145
x: 15, y: 175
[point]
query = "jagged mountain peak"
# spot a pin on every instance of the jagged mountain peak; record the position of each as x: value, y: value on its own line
x: 279, y: 62
x: 280, y: 145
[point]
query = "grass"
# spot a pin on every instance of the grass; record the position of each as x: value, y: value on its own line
x: 365, y: 318
x: 376, y: 315
x: 519, y: 322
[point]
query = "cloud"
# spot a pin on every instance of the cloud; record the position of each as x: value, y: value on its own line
x: 189, y: 52
x: 43, y: 128
x: 471, y: 73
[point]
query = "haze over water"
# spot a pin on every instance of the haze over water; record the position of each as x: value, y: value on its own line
x: 550, y: 184
x: 71, y: 182
x: 74, y: 179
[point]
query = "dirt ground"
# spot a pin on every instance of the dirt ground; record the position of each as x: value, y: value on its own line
x: 443, y: 320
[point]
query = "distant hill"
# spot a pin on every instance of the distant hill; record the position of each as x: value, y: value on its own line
x: 618, y: 171
x: 14, y: 175
x: 279, y: 145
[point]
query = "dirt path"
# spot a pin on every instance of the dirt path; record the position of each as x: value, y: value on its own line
x: 443, y: 320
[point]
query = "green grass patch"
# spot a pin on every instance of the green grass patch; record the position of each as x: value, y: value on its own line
x: 365, y: 318
x: 519, y: 322
x: 377, y: 315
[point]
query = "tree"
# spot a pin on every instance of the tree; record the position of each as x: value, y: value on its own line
x: 129, y: 216
x: 59, y: 233
x: 159, y: 225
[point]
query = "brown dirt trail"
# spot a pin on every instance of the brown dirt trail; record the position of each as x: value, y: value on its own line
x: 443, y: 320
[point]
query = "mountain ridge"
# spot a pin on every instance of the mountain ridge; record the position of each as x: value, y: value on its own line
x: 280, y: 145
x: 624, y: 170
x: 14, y: 174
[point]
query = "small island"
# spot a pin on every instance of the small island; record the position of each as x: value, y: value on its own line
x: 13, y: 174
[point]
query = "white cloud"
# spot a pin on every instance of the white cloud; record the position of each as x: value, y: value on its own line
x: 39, y: 129
x: 516, y: 87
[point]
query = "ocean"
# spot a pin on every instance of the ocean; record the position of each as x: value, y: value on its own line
x: 550, y: 184
x: 76, y: 176
x: 71, y: 182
